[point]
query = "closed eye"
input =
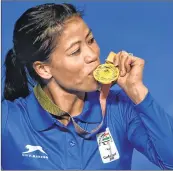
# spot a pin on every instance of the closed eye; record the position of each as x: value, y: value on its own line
x: 75, y: 52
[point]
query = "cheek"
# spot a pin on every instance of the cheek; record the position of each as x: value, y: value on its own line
x: 77, y: 73
x: 68, y: 71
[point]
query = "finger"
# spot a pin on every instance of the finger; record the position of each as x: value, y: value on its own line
x: 127, y: 64
x: 116, y: 60
x: 122, y: 64
x: 137, y: 61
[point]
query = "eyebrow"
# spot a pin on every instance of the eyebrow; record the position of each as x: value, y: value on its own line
x: 74, y: 43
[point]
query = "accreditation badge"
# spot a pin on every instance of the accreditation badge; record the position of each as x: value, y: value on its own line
x: 107, y: 147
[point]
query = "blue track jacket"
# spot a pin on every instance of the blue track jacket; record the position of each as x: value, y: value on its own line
x: 33, y: 139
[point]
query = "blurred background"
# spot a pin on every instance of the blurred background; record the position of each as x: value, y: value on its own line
x: 142, y: 28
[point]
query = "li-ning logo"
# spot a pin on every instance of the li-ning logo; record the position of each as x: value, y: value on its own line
x: 32, y: 149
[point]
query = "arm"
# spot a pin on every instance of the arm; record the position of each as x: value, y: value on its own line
x: 150, y: 130
x: 149, y: 127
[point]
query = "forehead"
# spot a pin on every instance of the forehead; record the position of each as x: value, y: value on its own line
x: 74, y: 28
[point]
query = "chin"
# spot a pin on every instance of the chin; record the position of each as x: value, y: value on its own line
x: 93, y: 87
x: 89, y: 84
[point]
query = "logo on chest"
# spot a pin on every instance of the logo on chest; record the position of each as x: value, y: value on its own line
x: 34, y: 152
x: 107, y: 147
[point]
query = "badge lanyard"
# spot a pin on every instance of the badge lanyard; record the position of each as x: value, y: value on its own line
x: 103, y: 96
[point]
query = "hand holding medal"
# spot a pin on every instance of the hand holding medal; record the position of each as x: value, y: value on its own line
x: 127, y: 71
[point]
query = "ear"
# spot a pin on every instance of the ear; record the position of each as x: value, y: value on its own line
x: 42, y: 69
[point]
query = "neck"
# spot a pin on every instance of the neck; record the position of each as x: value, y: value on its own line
x: 70, y: 102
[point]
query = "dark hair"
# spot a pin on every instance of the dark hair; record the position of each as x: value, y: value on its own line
x: 34, y: 39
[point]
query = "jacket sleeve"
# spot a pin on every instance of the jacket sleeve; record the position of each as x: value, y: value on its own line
x: 150, y: 131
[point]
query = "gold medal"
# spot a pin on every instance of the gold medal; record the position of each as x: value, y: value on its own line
x: 107, y: 73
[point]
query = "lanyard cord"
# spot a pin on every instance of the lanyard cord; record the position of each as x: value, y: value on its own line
x: 103, y: 96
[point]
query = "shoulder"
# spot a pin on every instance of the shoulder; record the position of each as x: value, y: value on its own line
x: 17, y: 104
x: 12, y: 111
x: 12, y: 106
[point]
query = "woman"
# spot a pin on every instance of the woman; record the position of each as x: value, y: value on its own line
x: 62, y: 123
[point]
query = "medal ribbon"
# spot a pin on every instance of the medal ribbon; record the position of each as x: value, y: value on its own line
x: 103, y: 96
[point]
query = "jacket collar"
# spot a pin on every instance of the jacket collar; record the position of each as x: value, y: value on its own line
x: 46, y: 102
x: 41, y: 107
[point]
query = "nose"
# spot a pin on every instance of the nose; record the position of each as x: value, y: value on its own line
x: 91, y: 55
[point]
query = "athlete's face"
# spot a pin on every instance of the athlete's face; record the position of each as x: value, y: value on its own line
x: 75, y: 58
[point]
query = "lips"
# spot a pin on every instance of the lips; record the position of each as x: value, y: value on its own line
x: 91, y: 73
